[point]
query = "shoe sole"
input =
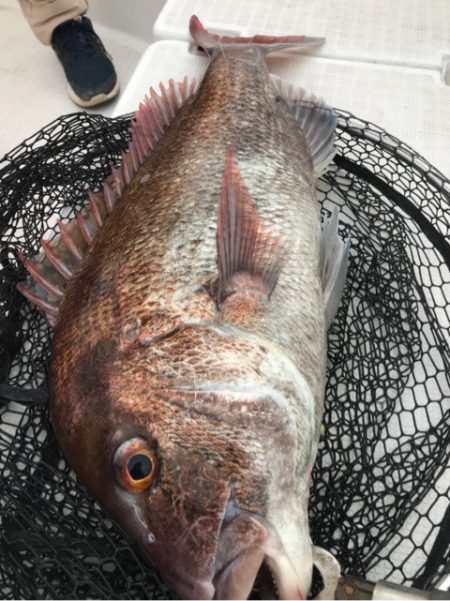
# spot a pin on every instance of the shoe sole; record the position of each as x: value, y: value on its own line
x: 95, y: 100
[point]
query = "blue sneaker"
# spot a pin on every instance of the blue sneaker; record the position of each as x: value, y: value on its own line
x: 88, y: 67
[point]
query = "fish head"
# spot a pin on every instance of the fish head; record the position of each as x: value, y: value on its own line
x: 202, y: 466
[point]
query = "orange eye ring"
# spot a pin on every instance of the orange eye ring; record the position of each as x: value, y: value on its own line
x: 135, y: 465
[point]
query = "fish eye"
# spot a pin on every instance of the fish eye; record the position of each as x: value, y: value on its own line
x: 135, y: 465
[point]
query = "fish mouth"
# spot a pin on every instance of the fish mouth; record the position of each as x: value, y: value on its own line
x: 260, y: 569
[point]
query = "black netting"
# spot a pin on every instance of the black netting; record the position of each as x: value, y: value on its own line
x: 380, y: 500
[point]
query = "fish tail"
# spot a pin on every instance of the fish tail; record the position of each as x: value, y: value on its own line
x: 209, y: 41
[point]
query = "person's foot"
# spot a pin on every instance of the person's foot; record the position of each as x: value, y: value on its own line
x: 88, y: 67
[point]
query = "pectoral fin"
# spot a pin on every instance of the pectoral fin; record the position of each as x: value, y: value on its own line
x: 249, y: 257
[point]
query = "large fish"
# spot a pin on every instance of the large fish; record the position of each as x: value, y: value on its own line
x: 191, y: 303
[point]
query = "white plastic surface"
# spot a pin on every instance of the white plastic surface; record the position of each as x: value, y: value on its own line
x: 409, y: 103
x: 134, y: 18
x: 401, y: 32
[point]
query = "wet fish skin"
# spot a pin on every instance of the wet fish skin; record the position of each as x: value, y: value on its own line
x: 170, y: 247
x: 211, y: 449
x: 141, y: 348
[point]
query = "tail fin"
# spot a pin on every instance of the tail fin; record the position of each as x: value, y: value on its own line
x: 208, y: 41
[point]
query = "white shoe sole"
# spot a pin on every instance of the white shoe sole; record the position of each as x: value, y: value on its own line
x: 99, y: 99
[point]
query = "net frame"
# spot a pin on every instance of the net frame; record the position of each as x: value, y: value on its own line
x: 379, y: 499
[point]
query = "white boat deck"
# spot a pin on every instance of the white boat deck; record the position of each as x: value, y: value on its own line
x: 33, y: 86
x: 386, y: 62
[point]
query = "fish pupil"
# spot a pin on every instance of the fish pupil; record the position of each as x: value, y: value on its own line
x: 139, y: 467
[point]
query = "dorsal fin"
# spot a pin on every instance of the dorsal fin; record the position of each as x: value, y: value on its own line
x: 244, y: 245
x: 316, y: 120
x: 55, y: 264
x: 208, y: 41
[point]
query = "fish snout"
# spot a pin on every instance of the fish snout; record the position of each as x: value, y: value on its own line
x: 251, y: 559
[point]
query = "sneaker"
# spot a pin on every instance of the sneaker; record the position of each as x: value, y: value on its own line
x: 88, y: 67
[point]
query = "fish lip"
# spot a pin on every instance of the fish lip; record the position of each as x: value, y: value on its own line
x: 266, y: 549
x: 281, y: 590
x: 190, y: 586
x: 221, y: 577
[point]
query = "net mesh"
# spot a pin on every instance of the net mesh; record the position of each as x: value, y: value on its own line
x: 380, y: 494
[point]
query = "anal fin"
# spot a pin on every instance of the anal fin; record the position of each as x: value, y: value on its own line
x: 249, y: 256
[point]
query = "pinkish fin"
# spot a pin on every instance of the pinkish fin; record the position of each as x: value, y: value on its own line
x: 244, y: 246
x: 55, y: 264
x: 316, y: 120
x: 48, y: 279
x: 334, y: 258
x: 208, y: 41
x: 39, y: 297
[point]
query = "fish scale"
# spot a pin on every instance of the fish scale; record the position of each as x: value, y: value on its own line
x: 177, y: 188
x: 191, y: 337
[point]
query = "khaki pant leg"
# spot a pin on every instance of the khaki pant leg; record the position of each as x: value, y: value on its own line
x: 44, y: 15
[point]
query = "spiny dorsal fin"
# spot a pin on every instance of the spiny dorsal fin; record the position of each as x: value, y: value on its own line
x: 55, y: 264
x: 244, y: 246
x: 208, y: 41
x: 316, y: 120
x: 334, y: 255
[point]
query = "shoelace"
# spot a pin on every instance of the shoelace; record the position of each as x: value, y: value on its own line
x: 80, y: 42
